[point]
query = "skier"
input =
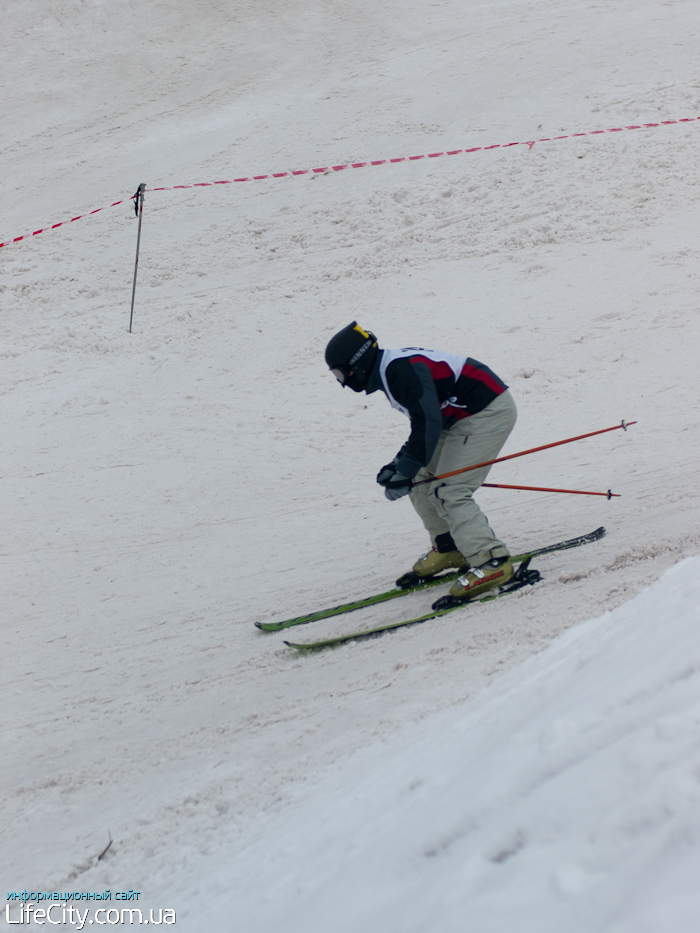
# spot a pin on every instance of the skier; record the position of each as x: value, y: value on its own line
x: 461, y: 413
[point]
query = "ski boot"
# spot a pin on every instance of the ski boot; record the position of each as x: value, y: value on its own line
x: 496, y: 574
x: 442, y: 556
x: 476, y: 580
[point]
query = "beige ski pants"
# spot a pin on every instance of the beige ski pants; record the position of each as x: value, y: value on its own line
x: 448, y: 504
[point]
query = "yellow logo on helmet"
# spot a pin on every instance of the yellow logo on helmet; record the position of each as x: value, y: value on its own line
x: 360, y: 331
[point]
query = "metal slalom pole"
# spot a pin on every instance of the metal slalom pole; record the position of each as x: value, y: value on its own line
x: 138, y: 210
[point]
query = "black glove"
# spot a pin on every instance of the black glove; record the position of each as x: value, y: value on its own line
x: 386, y: 473
x: 395, y: 483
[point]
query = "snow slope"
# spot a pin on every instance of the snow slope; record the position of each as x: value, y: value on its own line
x: 564, y: 797
x: 164, y: 489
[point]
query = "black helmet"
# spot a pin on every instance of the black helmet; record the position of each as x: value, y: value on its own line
x: 351, y: 356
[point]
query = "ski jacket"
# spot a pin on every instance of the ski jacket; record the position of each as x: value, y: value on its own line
x: 434, y: 390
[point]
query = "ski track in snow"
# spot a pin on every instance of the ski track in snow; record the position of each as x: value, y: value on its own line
x: 163, y: 490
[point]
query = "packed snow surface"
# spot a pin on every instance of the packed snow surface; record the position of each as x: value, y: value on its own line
x: 566, y: 796
x: 510, y: 766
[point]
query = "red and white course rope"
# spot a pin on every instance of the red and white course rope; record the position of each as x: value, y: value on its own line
x: 339, y: 168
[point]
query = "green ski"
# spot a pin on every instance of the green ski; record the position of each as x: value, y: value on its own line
x: 433, y: 581
x: 523, y: 577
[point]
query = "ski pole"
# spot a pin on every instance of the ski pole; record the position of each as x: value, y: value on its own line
x: 575, y: 492
x: 624, y: 425
x: 138, y: 208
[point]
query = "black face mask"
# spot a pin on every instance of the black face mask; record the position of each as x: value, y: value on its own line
x: 347, y: 378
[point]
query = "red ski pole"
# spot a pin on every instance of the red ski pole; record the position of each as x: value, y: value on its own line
x: 624, y: 425
x: 575, y: 492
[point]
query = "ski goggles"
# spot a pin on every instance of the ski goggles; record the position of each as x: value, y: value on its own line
x: 340, y: 374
